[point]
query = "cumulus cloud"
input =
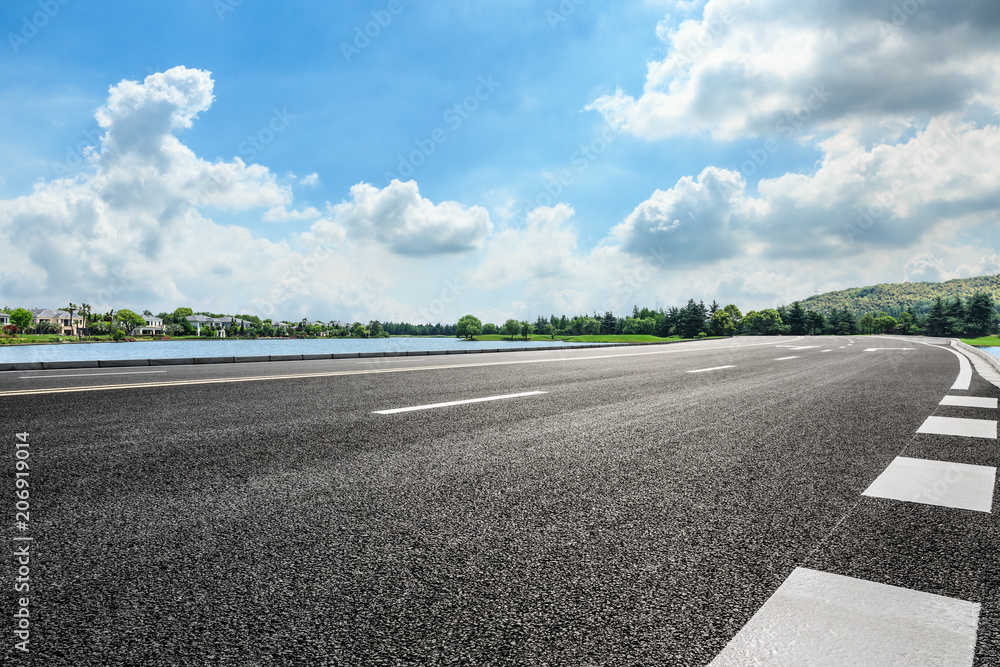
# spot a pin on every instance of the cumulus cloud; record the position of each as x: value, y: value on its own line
x: 757, y: 68
x: 133, y: 229
x: 694, y: 222
x: 544, y: 247
x: 398, y: 218
x: 310, y: 180
x: 281, y: 214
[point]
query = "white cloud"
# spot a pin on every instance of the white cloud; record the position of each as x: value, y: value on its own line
x: 310, y: 180
x: 281, y: 214
x: 545, y: 247
x: 398, y: 218
x: 762, y: 67
x: 694, y: 222
x: 132, y: 230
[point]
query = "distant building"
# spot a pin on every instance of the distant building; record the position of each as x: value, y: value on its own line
x: 153, y: 327
x: 68, y: 325
x: 4, y: 319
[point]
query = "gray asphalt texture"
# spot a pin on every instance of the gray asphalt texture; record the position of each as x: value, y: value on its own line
x: 635, y: 514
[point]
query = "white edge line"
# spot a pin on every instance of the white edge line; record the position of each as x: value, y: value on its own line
x: 81, y: 375
x: 450, y: 403
x: 716, y: 368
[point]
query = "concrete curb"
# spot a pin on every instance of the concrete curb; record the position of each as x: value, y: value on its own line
x: 986, y: 356
x: 127, y: 363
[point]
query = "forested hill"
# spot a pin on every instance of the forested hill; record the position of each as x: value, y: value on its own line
x: 894, y: 298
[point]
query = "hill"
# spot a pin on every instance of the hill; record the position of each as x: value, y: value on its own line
x: 894, y: 298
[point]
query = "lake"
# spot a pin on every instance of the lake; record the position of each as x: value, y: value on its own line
x: 995, y: 351
x: 220, y: 347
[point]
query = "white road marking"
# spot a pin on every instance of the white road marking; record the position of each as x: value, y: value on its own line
x: 817, y: 618
x: 372, y: 371
x: 967, y: 428
x: 841, y: 347
x: 964, y: 368
x: 82, y: 375
x: 785, y: 358
x: 382, y: 361
x: 450, y: 403
x: 804, y: 347
x: 877, y: 349
x: 970, y: 401
x: 939, y: 483
x: 716, y: 368
x: 828, y: 350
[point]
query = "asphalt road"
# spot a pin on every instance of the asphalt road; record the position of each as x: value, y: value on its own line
x: 633, y: 513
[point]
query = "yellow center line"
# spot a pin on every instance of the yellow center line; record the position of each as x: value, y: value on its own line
x: 369, y: 371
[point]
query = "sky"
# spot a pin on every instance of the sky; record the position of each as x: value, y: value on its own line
x: 418, y: 160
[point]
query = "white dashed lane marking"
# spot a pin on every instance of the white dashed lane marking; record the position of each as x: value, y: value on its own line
x: 82, y: 375
x: 970, y: 401
x: 716, y: 368
x: 817, y: 618
x: 966, y: 428
x: 939, y: 483
x: 450, y: 403
x: 785, y: 358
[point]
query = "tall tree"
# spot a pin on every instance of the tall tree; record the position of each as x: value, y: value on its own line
x: 980, y: 316
x: 71, y: 308
x: 795, y: 318
x: 937, y: 320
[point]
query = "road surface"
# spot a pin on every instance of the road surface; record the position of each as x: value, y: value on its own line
x: 769, y: 501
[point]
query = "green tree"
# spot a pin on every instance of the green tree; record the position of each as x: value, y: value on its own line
x: 885, y: 324
x: 796, y: 319
x: 512, y: 327
x: 815, y: 322
x: 71, y: 309
x: 722, y: 323
x: 129, y: 319
x: 490, y: 329
x: 358, y: 330
x: 980, y: 316
x: 867, y: 324
x: 21, y: 318
x: 937, y: 320
x: 375, y: 329
x: 468, y: 326
x: 526, y: 329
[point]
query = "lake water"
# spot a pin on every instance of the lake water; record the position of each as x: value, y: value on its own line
x: 995, y: 351
x: 181, y: 349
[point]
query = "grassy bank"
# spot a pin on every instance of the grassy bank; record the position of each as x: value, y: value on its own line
x: 985, y: 341
x: 584, y: 339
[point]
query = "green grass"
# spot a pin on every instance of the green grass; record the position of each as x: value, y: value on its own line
x: 516, y: 338
x: 632, y: 338
x: 985, y: 341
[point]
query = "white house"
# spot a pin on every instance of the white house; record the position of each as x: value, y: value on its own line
x: 69, y: 325
x: 4, y: 319
x: 153, y: 327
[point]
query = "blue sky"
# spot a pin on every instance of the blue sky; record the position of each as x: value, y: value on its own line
x: 750, y: 152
